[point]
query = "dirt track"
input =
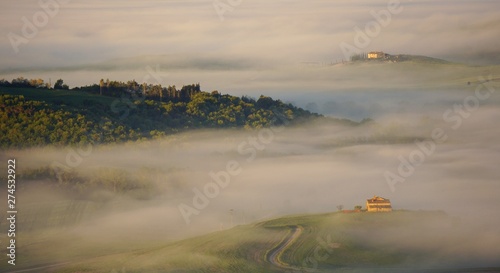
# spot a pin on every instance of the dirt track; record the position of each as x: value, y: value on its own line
x: 274, y: 256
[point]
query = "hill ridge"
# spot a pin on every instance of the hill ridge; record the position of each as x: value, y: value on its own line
x: 35, y: 115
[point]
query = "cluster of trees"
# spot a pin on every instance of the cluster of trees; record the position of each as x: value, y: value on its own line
x: 21, y: 82
x: 26, y: 122
x: 135, y: 89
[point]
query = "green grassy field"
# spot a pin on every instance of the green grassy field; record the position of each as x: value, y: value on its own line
x: 241, y: 249
x: 401, y: 241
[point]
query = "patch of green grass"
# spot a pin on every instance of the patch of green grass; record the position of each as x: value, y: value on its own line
x: 240, y: 249
x: 334, y: 241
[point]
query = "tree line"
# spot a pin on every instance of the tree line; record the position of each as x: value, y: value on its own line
x: 22, y: 82
x: 113, y: 88
x: 126, y: 111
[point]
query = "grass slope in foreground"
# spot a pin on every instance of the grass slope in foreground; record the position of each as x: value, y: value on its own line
x: 401, y: 241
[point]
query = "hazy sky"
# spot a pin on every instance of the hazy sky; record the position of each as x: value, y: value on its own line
x: 261, y: 32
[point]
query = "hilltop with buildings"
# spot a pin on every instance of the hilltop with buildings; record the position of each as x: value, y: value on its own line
x: 380, y: 56
x: 375, y: 204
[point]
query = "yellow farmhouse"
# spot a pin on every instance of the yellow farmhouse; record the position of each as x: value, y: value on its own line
x: 378, y: 204
x: 375, y: 55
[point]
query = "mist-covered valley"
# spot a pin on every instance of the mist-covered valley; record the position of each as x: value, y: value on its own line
x: 432, y: 157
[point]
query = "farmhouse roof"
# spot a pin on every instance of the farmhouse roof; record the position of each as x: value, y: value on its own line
x: 378, y: 199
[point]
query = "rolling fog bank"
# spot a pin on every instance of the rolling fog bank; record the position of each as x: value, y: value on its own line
x: 267, y: 173
x: 433, y: 146
x: 133, y: 195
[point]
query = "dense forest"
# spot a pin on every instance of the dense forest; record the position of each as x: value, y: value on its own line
x: 34, y: 113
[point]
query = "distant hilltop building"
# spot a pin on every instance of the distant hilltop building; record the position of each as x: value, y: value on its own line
x: 376, y: 55
x: 378, y: 204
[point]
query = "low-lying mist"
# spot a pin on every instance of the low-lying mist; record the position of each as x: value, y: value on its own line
x: 307, y: 169
x: 123, y: 196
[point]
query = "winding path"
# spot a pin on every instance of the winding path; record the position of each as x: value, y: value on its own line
x: 274, y: 256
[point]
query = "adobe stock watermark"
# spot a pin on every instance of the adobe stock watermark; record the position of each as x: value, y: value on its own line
x: 454, y: 117
x: 321, y: 253
x: 222, y: 179
x: 372, y: 29
x: 223, y: 6
x: 48, y: 9
x: 120, y: 106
